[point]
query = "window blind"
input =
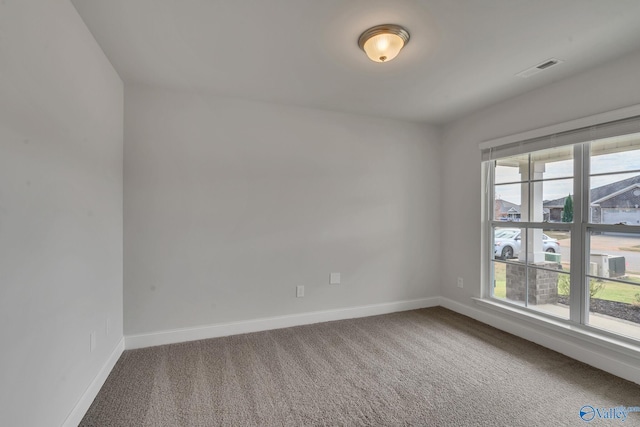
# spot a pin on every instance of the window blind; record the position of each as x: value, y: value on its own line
x: 621, y: 127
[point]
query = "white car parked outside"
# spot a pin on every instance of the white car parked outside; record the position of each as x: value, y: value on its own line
x: 507, y: 243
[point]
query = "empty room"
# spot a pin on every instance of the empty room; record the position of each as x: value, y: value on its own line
x: 319, y: 212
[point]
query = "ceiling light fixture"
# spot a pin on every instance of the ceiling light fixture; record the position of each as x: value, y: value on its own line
x: 382, y: 43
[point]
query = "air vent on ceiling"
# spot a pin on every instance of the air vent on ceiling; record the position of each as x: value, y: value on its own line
x: 545, y: 65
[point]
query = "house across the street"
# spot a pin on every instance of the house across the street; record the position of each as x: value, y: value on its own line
x: 615, y: 203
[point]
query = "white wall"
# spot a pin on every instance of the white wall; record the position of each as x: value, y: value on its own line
x: 61, y: 107
x: 230, y: 204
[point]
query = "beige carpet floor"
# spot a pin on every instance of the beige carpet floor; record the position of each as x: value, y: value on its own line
x: 429, y: 367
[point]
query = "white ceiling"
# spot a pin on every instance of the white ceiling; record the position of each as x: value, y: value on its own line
x: 463, y: 54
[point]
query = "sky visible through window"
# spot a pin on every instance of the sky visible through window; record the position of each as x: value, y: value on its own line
x: 613, y: 162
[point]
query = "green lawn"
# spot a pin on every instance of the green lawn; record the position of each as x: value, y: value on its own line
x: 621, y: 292
x: 635, y: 248
x: 613, y: 291
x: 500, y: 289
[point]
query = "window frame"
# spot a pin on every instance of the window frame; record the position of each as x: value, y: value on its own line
x: 580, y: 228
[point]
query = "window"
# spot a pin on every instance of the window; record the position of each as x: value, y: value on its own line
x: 563, y: 225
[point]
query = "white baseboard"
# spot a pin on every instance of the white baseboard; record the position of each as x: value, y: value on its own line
x: 256, y: 325
x: 91, y: 392
x: 597, y: 356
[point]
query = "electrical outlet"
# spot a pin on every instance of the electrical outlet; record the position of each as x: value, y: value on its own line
x: 460, y: 282
x: 299, y: 291
x: 92, y: 341
x: 334, y: 279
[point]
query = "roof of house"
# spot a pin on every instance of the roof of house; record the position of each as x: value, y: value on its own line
x: 622, y: 192
x: 600, y: 193
x: 504, y: 206
x: 555, y: 203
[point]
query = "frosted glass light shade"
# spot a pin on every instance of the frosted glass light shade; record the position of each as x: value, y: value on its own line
x: 383, y: 42
x: 383, y: 47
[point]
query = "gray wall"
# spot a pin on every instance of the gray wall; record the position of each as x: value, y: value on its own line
x: 230, y: 204
x: 61, y: 107
x: 598, y: 90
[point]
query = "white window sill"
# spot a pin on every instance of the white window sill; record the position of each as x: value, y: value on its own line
x: 588, y: 334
